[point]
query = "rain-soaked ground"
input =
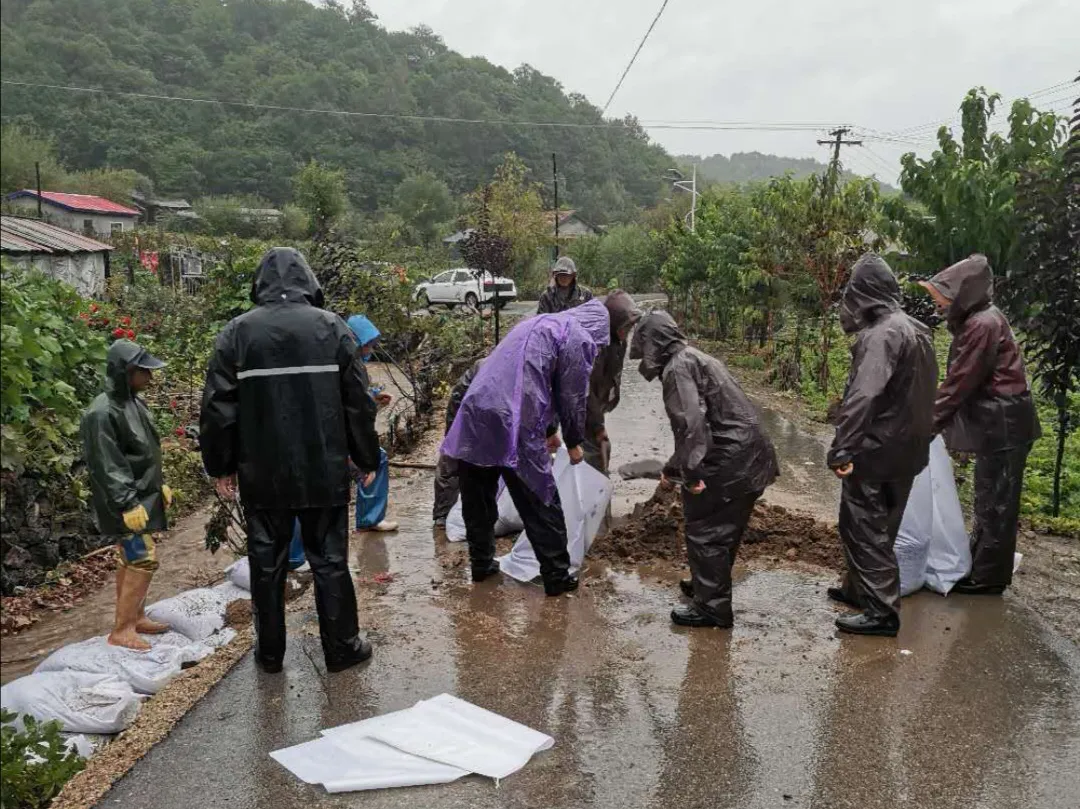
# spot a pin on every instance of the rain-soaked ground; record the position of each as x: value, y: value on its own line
x: 976, y: 704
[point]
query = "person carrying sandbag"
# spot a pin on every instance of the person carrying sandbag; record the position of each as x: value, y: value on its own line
x: 122, y: 451
x: 535, y: 379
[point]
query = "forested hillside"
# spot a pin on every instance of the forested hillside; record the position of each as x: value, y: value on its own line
x: 744, y: 167
x: 289, y: 53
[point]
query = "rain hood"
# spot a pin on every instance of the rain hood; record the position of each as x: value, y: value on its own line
x: 284, y: 275
x: 871, y: 293
x: 968, y: 284
x: 656, y: 340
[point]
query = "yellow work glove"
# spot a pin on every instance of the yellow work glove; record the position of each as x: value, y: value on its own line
x: 136, y: 519
x: 166, y: 492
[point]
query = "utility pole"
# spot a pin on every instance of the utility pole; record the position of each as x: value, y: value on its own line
x: 677, y: 180
x: 555, y: 178
x: 832, y: 173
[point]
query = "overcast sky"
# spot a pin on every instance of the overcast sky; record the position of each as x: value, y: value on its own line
x: 889, y: 65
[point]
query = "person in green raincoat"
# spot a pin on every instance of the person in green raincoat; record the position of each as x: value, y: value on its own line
x: 128, y: 493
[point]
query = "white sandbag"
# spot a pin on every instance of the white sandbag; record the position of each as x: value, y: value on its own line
x: 585, y: 495
x: 197, y: 614
x: 239, y: 573
x: 949, y: 559
x: 146, y: 672
x: 508, y: 523
x: 81, y: 702
x: 912, y: 548
x: 230, y: 592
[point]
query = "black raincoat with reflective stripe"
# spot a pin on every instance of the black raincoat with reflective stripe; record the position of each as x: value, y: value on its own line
x: 122, y: 450
x: 286, y: 402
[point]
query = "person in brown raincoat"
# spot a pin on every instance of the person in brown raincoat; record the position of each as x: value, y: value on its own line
x: 984, y: 406
x: 606, y: 380
x: 882, y: 441
x: 723, y: 458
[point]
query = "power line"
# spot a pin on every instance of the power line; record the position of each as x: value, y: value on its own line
x: 706, y: 126
x: 633, y: 58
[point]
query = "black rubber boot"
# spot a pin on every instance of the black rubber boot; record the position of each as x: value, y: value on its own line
x: 690, y: 615
x: 268, y: 665
x: 838, y: 594
x: 560, y: 586
x: 687, y: 587
x: 970, y: 588
x: 481, y: 573
x: 863, y: 624
x: 361, y: 651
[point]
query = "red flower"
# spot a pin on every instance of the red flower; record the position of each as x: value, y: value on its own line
x: 104, y: 321
x: 131, y: 334
x: 93, y: 307
x: 125, y: 320
x: 179, y: 432
x: 84, y: 316
x: 118, y: 333
x: 174, y: 404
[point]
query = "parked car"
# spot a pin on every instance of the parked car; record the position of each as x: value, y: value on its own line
x: 465, y: 287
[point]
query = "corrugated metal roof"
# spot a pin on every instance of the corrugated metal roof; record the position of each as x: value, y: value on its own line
x: 82, y: 203
x: 19, y: 235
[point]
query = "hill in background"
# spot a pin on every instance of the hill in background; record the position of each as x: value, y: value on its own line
x: 744, y: 167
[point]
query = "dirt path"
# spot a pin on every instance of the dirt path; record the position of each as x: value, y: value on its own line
x: 184, y: 563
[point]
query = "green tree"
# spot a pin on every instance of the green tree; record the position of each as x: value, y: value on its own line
x: 320, y: 193
x: 112, y: 184
x: 961, y: 200
x: 20, y: 149
x: 514, y: 211
x: 1044, y: 293
x: 424, y: 202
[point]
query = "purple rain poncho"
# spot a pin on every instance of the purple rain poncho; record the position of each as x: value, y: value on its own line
x: 538, y: 374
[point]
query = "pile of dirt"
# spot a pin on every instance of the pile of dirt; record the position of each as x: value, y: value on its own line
x: 238, y: 613
x: 654, y: 532
x: 72, y: 582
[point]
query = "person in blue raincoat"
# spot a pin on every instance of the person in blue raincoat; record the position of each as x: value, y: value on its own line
x: 372, y: 500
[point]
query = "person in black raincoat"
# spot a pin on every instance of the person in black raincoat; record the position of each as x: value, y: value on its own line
x: 984, y: 406
x: 564, y: 292
x: 723, y: 458
x: 605, y: 383
x: 286, y: 406
x: 446, y: 476
x: 128, y: 493
x: 882, y: 441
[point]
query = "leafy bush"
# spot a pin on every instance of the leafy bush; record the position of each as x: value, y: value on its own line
x: 50, y: 366
x: 35, y: 763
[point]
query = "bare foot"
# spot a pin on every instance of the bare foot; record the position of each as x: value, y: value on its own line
x: 128, y: 639
x: 144, y: 626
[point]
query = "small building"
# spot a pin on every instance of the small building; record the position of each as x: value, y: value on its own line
x: 79, y: 212
x: 571, y: 225
x: 154, y: 208
x: 71, y: 257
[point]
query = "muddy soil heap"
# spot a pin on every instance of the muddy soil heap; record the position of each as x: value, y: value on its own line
x: 655, y: 532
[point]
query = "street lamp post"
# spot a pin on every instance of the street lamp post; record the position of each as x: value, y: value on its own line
x: 678, y: 180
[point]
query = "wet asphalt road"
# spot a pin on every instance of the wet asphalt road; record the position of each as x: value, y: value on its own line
x: 975, y: 705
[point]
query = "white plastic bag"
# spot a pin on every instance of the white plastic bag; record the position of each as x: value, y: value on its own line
x: 508, y: 523
x: 585, y: 494
x: 434, y: 742
x: 79, y: 701
x: 146, y: 672
x: 912, y: 548
x: 457, y: 733
x: 949, y: 559
x: 197, y: 614
x: 239, y: 573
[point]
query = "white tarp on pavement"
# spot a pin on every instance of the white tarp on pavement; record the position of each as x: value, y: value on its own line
x: 436, y: 741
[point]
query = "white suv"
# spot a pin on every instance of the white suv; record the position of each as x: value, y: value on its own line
x: 465, y: 287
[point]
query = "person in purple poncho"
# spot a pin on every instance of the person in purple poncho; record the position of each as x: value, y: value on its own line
x: 537, y: 377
